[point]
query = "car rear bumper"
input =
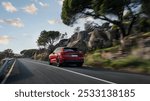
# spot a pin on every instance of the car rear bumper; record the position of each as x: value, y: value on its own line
x: 73, y: 61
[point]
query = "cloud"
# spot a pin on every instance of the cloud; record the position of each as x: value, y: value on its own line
x: 60, y: 2
x: 52, y: 21
x: 43, y: 4
x: 5, y: 39
x: 31, y: 9
x: 13, y: 22
x: 9, y: 7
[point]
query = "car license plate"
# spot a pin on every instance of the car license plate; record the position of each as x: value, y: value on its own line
x: 74, y: 55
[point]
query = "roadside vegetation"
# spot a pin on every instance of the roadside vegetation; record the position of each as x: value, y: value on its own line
x: 6, y: 53
x: 127, y: 63
x: 135, y: 58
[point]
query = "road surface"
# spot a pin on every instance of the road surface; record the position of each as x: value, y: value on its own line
x: 27, y: 71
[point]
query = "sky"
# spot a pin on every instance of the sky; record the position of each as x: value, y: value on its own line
x: 21, y: 22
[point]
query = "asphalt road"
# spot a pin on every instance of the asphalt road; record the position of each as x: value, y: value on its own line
x: 27, y: 71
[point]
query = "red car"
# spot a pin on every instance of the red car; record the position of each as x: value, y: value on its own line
x: 64, y: 55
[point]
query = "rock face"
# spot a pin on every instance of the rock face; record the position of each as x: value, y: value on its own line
x: 79, y: 40
x: 98, y: 39
x: 62, y: 43
x: 87, y: 41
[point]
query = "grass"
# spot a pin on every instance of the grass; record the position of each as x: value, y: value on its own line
x: 128, y: 63
x: 111, y: 49
x: 95, y: 59
x: 144, y: 35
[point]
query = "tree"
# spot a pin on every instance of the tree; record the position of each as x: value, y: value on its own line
x: 41, y: 41
x: 146, y: 7
x: 2, y: 55
x: 109, y: 10
x: 48, y: 38
x: 28, y: 53
x: 8, y: 53
x: 64, y: 36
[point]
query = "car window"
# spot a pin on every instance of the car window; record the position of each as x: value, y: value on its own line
x: 57, y: 49
x: 70, y: 49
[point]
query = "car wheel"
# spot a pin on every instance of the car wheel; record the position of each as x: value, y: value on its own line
x: 58, y: 63
x: 80, y: 64
x: 50, y: 62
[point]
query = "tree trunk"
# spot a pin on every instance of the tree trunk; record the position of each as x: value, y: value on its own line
x: 131, y: 25
x: 122, y: 35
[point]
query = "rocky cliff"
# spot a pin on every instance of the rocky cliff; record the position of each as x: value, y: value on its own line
x: 98, y: 38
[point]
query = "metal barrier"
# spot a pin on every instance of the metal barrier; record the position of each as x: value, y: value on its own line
x: 5, y: 67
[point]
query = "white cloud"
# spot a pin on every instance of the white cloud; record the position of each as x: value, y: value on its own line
x: 31, y: 9
x: 43, y: 4
x: 60, y: 2
x: 13, y: 22
x: 9, y: 7
x: 52, y: 21
x: 5, y: 39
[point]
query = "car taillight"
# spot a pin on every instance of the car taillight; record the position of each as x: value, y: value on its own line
x: 61, y: 54
x: 80, y: 55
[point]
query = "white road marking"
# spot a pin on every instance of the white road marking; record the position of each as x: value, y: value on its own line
x: 6, y: 77
x: 85, y: 75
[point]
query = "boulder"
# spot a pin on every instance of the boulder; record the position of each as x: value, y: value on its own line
x: 62, y: 43
x: 98, y: 39
x: 79, y: 40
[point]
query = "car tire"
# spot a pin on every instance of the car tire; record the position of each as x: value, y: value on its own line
x: 80, y: 64
x: 58, y: 64
x: 50, y: 62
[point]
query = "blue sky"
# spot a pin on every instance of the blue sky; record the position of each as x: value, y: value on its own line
x: 21, y: 22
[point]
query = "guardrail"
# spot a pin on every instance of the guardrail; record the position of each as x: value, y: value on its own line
x: 5, y: 67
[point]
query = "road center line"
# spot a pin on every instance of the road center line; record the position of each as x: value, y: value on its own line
x: 85, y: 75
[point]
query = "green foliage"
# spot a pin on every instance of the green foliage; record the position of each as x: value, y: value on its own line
x: 71, y: 7
x: 94, y: 59
x: 48, y: 38
x: 42, y: 57
x: 2, y: 55
x: 8, y: 53
x: 74, y: 9
x: 111, y: 49
x: 144, y: 24
x: 115, y: 7
x: 28, y: 53
x: 107, y: 10
x: 130, y: 61
x: 146, y: 6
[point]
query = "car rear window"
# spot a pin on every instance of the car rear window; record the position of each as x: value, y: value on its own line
x: 70, y: 49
